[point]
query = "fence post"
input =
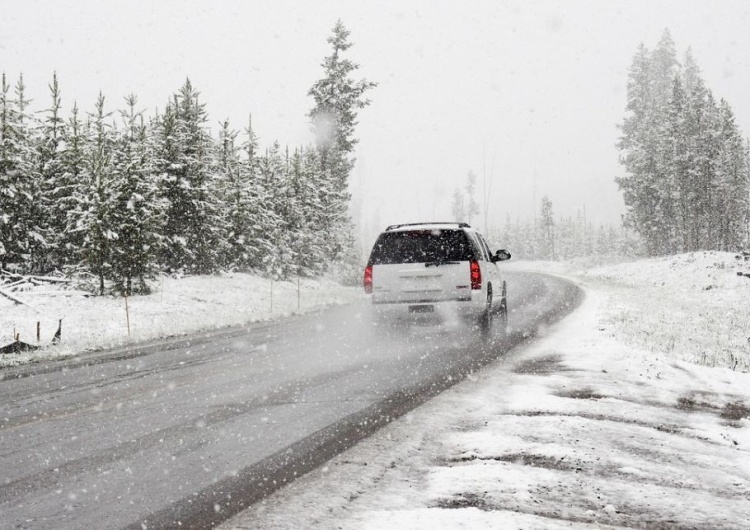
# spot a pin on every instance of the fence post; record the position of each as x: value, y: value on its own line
x: 127, y: 313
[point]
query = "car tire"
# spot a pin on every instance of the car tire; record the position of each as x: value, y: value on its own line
x: 503, y: 310
x: 487, y: 316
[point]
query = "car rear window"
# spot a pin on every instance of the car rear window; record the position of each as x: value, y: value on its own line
x: 421, y: 246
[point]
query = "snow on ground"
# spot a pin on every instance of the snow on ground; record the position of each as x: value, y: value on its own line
x: 632, y: 412
x: 694, y: 307
x: 602, y: 423
x: 177, y: 306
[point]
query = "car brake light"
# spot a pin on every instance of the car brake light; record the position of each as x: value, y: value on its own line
x: 475, y: 274
x: 368, y: 279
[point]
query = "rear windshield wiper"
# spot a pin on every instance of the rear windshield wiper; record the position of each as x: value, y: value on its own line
x: 438, y: 263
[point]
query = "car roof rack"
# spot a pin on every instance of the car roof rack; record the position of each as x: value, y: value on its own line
x: 394, y: 227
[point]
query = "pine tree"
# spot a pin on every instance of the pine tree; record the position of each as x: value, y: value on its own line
x: 458, y: 206
x: 472, y: 207
x: 233, y: 194
x: 547, y: 230
x: 637, y: 186
x: 649, y: 187
x: 94, y: 221
x: 664, y: 68
x: 259, y: 217
x: 29, y: 183
x: 732, y: 184
x: 337, y: 98
x: 677, y: 147
x: 315, y: 246
x: 273, y: 179
x: 677, y: 153
x: 194, y: 239
x: 71, y: 204
x: 20, y: 237
x: 135, y: 212
x: 56, y: 186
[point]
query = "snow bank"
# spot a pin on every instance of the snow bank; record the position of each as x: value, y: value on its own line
x: 693, y: 307
x: 177, y: 306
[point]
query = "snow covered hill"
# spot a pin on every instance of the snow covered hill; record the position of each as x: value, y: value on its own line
x: 607, y: 421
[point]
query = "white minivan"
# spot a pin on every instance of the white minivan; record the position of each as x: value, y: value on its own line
x: 418, y: 268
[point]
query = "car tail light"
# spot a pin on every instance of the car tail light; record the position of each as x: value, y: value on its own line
x: 368, y: 279
x: 476, y: 275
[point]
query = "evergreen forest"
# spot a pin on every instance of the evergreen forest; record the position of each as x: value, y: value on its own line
x: 687, y: 181
x: 117, y: 197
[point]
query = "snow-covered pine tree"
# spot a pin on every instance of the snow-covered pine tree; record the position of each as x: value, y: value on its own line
x: 254, y: 207
x: 20, y: 234
x: 337, y: 98
x: 75, y: 187
x: 636, y: 185
x: 135, y: 212
x: 677, y: 160
x: 297, y: 213
x: 315, y: 244
x: 233, y: 195
x: 11, y: 242
x: 55, y: 183
x: 507, y: 237
x: 464, y: 205
x: 570, y: 238
x: 676, y: 151
x: 308, y: 243
x: 272, y: 178
x: 546, y: 228
x: 663, y: 69
x: 458, y: 206
x: 94, y: 218
x: 192, y: 230
x: 648, y: 187
x: 472, y: 206
x: 732, y: 184
x: 30, y: 182
x: 700, y: 130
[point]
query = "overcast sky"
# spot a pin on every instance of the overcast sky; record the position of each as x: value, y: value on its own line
x: 527, y: 94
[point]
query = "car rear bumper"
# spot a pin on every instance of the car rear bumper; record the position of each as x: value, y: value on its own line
x: 471, y: 306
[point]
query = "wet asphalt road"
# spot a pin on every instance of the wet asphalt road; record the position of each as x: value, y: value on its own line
x: 187, y: 432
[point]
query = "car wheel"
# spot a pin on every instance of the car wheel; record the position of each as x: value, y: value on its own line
x: 503, y: 311
x: 487, y: 316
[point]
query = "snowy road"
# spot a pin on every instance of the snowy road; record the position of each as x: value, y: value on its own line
x: 193, y: 431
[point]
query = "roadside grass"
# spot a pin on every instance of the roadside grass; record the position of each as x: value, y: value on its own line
x: 693, y: 307
x: 689, y: 326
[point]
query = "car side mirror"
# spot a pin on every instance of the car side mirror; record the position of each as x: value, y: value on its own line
x: 501, y: 255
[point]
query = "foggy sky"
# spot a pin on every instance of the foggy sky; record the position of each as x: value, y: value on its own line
x: 527, y: 94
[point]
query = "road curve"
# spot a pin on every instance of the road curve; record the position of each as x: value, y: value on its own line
x: 186, y: 433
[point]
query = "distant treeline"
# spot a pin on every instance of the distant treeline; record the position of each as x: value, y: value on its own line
x: 687, y: 185
x: 564, y: 238
x: 122, y: 197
